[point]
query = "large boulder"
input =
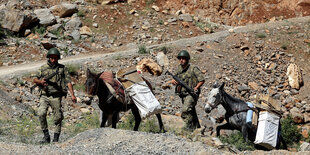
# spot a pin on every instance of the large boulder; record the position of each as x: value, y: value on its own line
x: 294, y: 76
x: 297, y: 115
x: 16, y: 20
x: 45, y: 16
x: 73, y: 24
x: 64, y: 10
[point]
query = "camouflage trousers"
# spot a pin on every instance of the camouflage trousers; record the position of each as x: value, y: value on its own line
x: 189, y: 114
x: 55, y: 104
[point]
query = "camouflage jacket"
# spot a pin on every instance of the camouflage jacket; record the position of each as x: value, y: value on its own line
x: 58, y: 83
x: 191, y: 75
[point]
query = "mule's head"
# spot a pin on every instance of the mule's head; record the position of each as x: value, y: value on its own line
x: 214, y: 97
x: 91, y: 84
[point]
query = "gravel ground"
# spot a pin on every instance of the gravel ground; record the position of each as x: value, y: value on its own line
x: 111, y: 141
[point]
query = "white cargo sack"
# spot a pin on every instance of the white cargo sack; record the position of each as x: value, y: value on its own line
x: 144, y: 99
x: 267, y: 130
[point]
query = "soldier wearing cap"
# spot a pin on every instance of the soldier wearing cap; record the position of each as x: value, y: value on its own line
x: 193, y: 77
x: 52, y: 92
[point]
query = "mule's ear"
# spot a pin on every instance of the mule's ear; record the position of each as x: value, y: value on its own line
x: 88, y: 73
x: 222, y: 86
x: 215, y: 85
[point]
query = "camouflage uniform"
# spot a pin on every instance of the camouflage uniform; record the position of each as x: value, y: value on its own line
x: 52, y: 94
x: 191, y: 75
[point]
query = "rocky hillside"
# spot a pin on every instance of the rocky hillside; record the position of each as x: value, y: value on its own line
x: 269, y: 58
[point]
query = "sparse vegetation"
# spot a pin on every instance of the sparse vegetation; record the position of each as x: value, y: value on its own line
x: 149, y: 2
x: 88, y: 121
x: 204, y: 26
x: 284, y: 46
x: 236, y: 139
x: 143, y: 50
x: 261, y: 35
x: 39, y: 29
x: 73, y: 69
x: 79, y: 87
x: 164, y: 49
x: 81, y: 13
x: 148, y: 125
x: 290, y: 131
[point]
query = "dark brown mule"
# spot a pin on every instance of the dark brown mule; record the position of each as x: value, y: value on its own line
x: 109, y: 105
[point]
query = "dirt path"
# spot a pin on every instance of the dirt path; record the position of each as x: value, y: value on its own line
x: 18, y: 70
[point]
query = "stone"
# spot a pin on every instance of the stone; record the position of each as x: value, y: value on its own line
x: 45, y: 16
x: 76, y: 35
x: 156, y: 8
x: 162, y: 59
x: 297, y: 115
x: 15, y: 20
x: 305, y: 146
x: 185, y: 17
x: 172, y: 20
x: 253, y: 85
x: 47, y: 44
x: 73, y: 24
x: 95, y: 25
x: 294, y: 76
x: 64, y: 10
x: 307, y: 117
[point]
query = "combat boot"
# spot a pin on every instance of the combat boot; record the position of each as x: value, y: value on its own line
x: 56, y: 137
x: 46, y: 138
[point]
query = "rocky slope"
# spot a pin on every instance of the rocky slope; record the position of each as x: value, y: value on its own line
x: 251, y: 60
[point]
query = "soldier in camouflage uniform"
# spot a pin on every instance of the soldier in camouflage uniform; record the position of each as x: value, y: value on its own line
x: 52, y: 92
x: 193, y: 77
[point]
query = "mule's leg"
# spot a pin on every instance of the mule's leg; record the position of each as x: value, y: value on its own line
x: 114, y: 119
x: 161, y: 124
x: 224, y: 126
x: 104, y: 119
x: 244, y: 131
x: 137, y: 116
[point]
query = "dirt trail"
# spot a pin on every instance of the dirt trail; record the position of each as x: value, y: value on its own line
x: 18, y: 70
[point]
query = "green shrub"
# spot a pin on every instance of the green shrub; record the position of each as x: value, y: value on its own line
x: 79, y: 87
x: 81, y: 13
x: 88, y: 121
x: 236, y: 139
x: 284, y: 46
x: 73, y: 69
x: 261, y: 35
x: 143, y: 50
x: 148, y: 125
x: 161, y: 22
x: 39, y: 29
x: 290, y: 131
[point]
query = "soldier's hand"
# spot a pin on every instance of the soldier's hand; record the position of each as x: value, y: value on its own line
x: 73, y: 99
x: 43, y: 82
x: 174, y: 82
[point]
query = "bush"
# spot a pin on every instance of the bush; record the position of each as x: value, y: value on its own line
x: 81, y: 13
x: 39, y: 29
x: 73, y: 69
x: 148, y: 125
x: 261, y: 35
x: 143, y: 50
x: 290, y: 131
x: 236, y: 139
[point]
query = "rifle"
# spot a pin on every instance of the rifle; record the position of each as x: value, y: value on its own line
x: 47, y: 78
x: 183, y: 84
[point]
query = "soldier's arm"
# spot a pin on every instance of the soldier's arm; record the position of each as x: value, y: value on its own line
x: 199, y: 77
x: 70, y: 87
x: 37, y: 77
